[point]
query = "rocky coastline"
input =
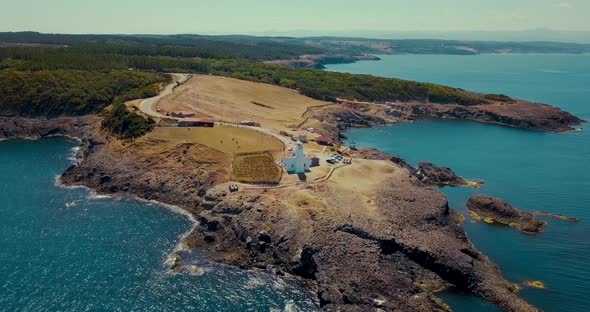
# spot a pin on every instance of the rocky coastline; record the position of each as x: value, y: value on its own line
x: 334, y: 120
x: 394, y: 260
x: 494, y: 210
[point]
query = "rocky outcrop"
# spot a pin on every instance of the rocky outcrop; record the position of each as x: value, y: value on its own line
x: 356, y: 262
x: 518, y: 114
x: 557, y: 216
x: 430, y: 173
x: 427, y: 173
x: 32, y: 128
x: 392, y: 258
x: 493, y: 210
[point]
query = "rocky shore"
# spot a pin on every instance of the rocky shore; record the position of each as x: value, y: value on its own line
x: 518, y: 114
x: 493, y: 210
x: 334, y: 120
x: 29, y: 128
x: 394, y: 256
x: 433, y: 174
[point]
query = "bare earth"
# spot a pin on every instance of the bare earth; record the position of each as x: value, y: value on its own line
x: 233, y: 100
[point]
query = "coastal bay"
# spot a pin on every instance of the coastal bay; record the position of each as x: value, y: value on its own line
x: 65, y: 249
x: 533, y: 170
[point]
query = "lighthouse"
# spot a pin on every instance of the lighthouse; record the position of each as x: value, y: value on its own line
x: 299, y: 163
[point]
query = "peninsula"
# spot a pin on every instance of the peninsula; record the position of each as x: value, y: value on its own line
x: 363, y: 229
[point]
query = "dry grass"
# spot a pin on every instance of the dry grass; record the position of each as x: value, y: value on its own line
x: 353, y: 188
x: 176, y: 159
x: 255, y: 168
x: 233, y: 100
x: 222, y: 138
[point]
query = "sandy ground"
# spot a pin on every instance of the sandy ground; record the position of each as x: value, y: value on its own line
x: 233, y: 100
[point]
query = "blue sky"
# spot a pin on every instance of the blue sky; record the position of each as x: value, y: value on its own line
x: 278, y: 16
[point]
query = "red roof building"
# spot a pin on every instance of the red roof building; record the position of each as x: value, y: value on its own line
x: 324, y: 140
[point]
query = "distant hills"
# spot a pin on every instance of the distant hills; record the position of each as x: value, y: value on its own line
x: 266, y: 48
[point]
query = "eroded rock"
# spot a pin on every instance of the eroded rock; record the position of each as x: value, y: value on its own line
x: 494, y: 210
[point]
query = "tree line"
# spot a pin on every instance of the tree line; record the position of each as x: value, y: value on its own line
x: 71, y: 92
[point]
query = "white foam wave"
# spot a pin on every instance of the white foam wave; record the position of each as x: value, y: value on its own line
x: 75, y: 157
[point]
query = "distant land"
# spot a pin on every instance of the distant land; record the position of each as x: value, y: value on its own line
x: 540, y: 34
x: 314, y: 51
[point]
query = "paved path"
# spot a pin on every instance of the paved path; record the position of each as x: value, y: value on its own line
x: 148, y: 106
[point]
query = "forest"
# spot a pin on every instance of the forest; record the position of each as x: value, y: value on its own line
x: 53, y: 93
x: 80, y: 74
x: 321, y: 85
x: 246, y: 47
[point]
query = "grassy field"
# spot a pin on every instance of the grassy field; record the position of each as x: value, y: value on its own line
x: 222, y: 138
x: 255, y: 168
x: 234, y: 100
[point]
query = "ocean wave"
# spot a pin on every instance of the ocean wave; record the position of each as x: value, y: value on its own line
x: 255, y: 282
x: 290, y: 306
x: 75, y: 158
x: 195, y: 270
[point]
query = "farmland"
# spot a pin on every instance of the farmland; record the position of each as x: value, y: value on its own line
x: 255, y: 168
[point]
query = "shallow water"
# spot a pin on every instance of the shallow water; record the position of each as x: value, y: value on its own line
x: 531, y: 170
x: 64, y: 250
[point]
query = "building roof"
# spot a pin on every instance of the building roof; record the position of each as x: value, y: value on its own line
x: 203, y: 120
x: 324, y: 138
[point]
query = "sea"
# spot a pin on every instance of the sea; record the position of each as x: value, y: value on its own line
x: 531, y: 170
x: 67, y: 249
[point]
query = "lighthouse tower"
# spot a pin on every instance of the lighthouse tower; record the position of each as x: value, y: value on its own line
x: 298, y: 164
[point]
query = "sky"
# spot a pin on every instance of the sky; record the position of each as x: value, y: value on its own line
x: 321, y: 17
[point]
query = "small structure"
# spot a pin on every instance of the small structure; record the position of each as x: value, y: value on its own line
x: 315, y: 161
x: 196, y: 122
x: 299, y: 163
x: 182, y: 114
x: 301, y: 138
x: 324, y: 140
x: 249, y: 123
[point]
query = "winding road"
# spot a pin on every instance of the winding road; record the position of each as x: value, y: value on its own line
x: 148, y: 106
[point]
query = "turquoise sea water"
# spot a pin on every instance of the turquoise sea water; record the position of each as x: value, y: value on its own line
x: 64, y: 250
x: 531, y: 170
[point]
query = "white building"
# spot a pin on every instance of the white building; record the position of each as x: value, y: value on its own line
x: 298, y: 164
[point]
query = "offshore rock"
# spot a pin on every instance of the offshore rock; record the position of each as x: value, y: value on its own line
x: 494, y: 210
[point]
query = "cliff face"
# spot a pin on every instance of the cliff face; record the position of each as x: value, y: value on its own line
x: 17, y: 127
